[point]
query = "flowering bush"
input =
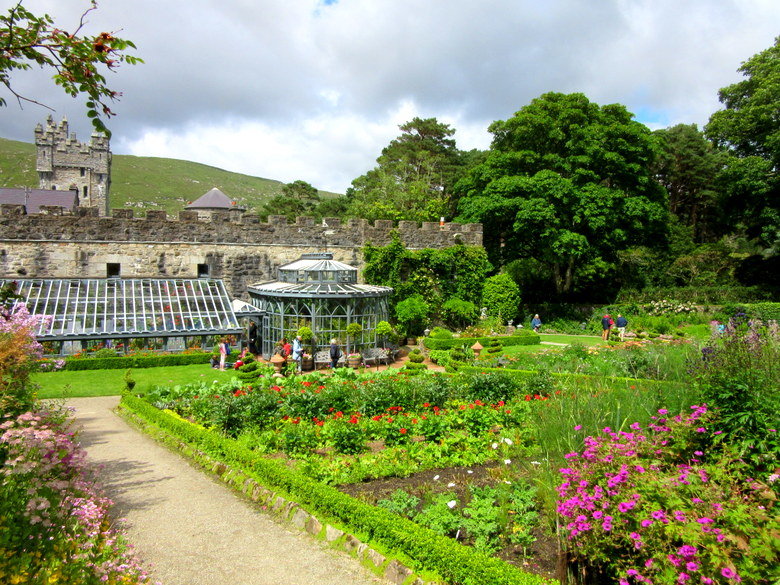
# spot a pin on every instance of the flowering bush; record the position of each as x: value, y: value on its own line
x: 666, y: 306
x: 659, y: 505
x: 19, y: 356
x: 54, y: 525
x: 738, y: 376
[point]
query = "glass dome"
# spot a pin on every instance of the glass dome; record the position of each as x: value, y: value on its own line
x: 323, y: 294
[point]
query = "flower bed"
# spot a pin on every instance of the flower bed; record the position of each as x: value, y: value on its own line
x: 54, y: 523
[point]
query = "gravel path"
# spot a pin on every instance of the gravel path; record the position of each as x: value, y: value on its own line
x: 191, y: 530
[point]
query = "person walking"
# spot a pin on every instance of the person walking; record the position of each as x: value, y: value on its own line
x: 335, y: 353
x: 297, y: 352
x: 606, y: 327
x: 536, y: 323
x: 224, y: 349
x: 621, y: 325
x: 252, y: 339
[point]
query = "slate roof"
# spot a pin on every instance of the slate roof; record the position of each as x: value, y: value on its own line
x: 214, y: 199
x: 32, y: 199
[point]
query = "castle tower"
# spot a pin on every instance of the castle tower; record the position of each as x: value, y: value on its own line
x: 64, y: 163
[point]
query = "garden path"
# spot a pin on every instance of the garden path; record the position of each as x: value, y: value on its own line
x: 188, y: 528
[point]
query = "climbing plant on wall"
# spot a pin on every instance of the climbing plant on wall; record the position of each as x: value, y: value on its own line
x: 437, y: 275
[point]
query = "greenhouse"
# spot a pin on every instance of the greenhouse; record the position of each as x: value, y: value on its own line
x: 169, y: 314
x: 318, y: 292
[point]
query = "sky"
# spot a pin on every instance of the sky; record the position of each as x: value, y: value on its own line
x: 313, y: 90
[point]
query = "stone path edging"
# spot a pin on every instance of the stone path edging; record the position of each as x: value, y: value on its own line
x: 286, y: 510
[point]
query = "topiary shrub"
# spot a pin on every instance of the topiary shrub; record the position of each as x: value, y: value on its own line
x: 501, y: 297
x: 441, y: 333
x: 416, y: 356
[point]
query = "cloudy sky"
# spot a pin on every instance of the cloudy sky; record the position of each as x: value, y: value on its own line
x: 314, y: 89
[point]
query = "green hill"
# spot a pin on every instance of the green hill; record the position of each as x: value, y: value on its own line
x: 144, y: 182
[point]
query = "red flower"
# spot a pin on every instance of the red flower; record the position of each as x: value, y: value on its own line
x: 402, y: 431
x: 377, y: 417
x: 527, y: 398
x: 239, y: 392
x: 307, y: 383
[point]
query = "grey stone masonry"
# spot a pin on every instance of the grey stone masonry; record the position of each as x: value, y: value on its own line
x: 231, y: 245
x: 64, y: 163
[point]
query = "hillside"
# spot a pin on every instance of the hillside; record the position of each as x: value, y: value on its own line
x: 143, y: 182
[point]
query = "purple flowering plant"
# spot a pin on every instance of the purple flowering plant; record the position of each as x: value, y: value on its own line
x: 54, y: 522
x: 661, y: 505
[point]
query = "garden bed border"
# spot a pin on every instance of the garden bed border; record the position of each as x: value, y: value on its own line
x: 396, y: 548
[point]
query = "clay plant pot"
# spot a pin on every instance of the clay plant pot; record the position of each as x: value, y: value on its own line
x: 277, y: 362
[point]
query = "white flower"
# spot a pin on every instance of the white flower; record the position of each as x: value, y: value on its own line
x: 451, y: 484
x: 507, y: 440
x: 535, y: 463
x: 452, y: 504
x: 495, y: 445
x: 435, y: 478
x: 507, y: 461
x: 469, y: 471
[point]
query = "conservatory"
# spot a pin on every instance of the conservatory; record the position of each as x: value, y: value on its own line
x: 134, y: 313
x: 323, y: 294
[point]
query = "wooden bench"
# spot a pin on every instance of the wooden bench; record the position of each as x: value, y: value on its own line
x: 322, y: 359
x: 376, y: 356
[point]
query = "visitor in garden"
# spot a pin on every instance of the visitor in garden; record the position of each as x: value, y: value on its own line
x: 286, y: 348
x: 335, y: 353
x: 297, y: 351
x: 606, y: 326
x: 621, y: 325
x: 536, y: 323
x: 241, y: 358
x: 224, y: 349
x: 252, y: 338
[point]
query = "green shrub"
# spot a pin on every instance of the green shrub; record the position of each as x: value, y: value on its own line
x: 501, y: 297
x: 412, y: 314
x: 441, y: 333
x: 416, y: 356
x: 459, y: 313
x: 116, y: 363
x: 530, y: 338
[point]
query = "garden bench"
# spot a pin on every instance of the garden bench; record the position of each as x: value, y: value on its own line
x: 322, y: 359
x: 376, y: 356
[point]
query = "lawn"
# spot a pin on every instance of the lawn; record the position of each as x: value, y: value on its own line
x: 112, y: 382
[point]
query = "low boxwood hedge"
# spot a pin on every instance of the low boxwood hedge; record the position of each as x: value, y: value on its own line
x: 119, y: 363
x: 427, y: 551
x: 528, y: 338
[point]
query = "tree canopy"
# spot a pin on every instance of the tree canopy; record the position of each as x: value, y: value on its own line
x: 749, y: 127
x: 569, y: 183
x: 413, y: 178
x: 78, y: 61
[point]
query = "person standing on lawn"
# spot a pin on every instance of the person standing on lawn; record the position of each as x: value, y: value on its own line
x: 536, y: 323
x: 621, y: 325
x: 606, y: 327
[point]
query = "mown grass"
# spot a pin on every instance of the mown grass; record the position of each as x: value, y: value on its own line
x: 112, y: 382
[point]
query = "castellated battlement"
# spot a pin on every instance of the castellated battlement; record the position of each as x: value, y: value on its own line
x: 226, y: 227
x: 232, y: 245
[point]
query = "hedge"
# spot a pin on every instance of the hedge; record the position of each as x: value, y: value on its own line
x: 611, y: 381
x: 711, y: 295
x: 119, y: 363
x: 764, y: 311
x: 427, y: 551
x: 527, y: 338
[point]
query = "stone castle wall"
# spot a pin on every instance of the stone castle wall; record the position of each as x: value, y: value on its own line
x: 236, y: 247
x: 64, y: 163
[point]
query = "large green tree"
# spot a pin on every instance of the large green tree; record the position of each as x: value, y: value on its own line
x: 749, y: 127
x: 414, y: 175
x: 78, y: 61
x: 568, y: 183
x: 687, y: 167
x: 297, y: 198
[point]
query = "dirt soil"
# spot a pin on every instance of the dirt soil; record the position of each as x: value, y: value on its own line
x: 542, y: 558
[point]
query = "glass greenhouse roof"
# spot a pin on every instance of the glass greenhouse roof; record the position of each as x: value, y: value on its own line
x: 318, y: 289
x: 112, y: 308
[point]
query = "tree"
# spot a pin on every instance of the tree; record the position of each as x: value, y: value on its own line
x: 77, y: 61
x: 297, y: 198
x: 569, y: 183
x: 687, y: 167
x: 414, y: 176
x: 749, y: 127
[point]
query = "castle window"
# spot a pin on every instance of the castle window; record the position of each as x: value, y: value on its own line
x: 203, y: 270
x: 83, y: 171
x: 113, y: 269
x: 86, y: 193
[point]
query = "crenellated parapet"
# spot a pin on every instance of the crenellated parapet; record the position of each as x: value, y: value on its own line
x: 228, y: 227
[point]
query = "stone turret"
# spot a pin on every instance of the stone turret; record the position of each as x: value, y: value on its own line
x: 64, y: 163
